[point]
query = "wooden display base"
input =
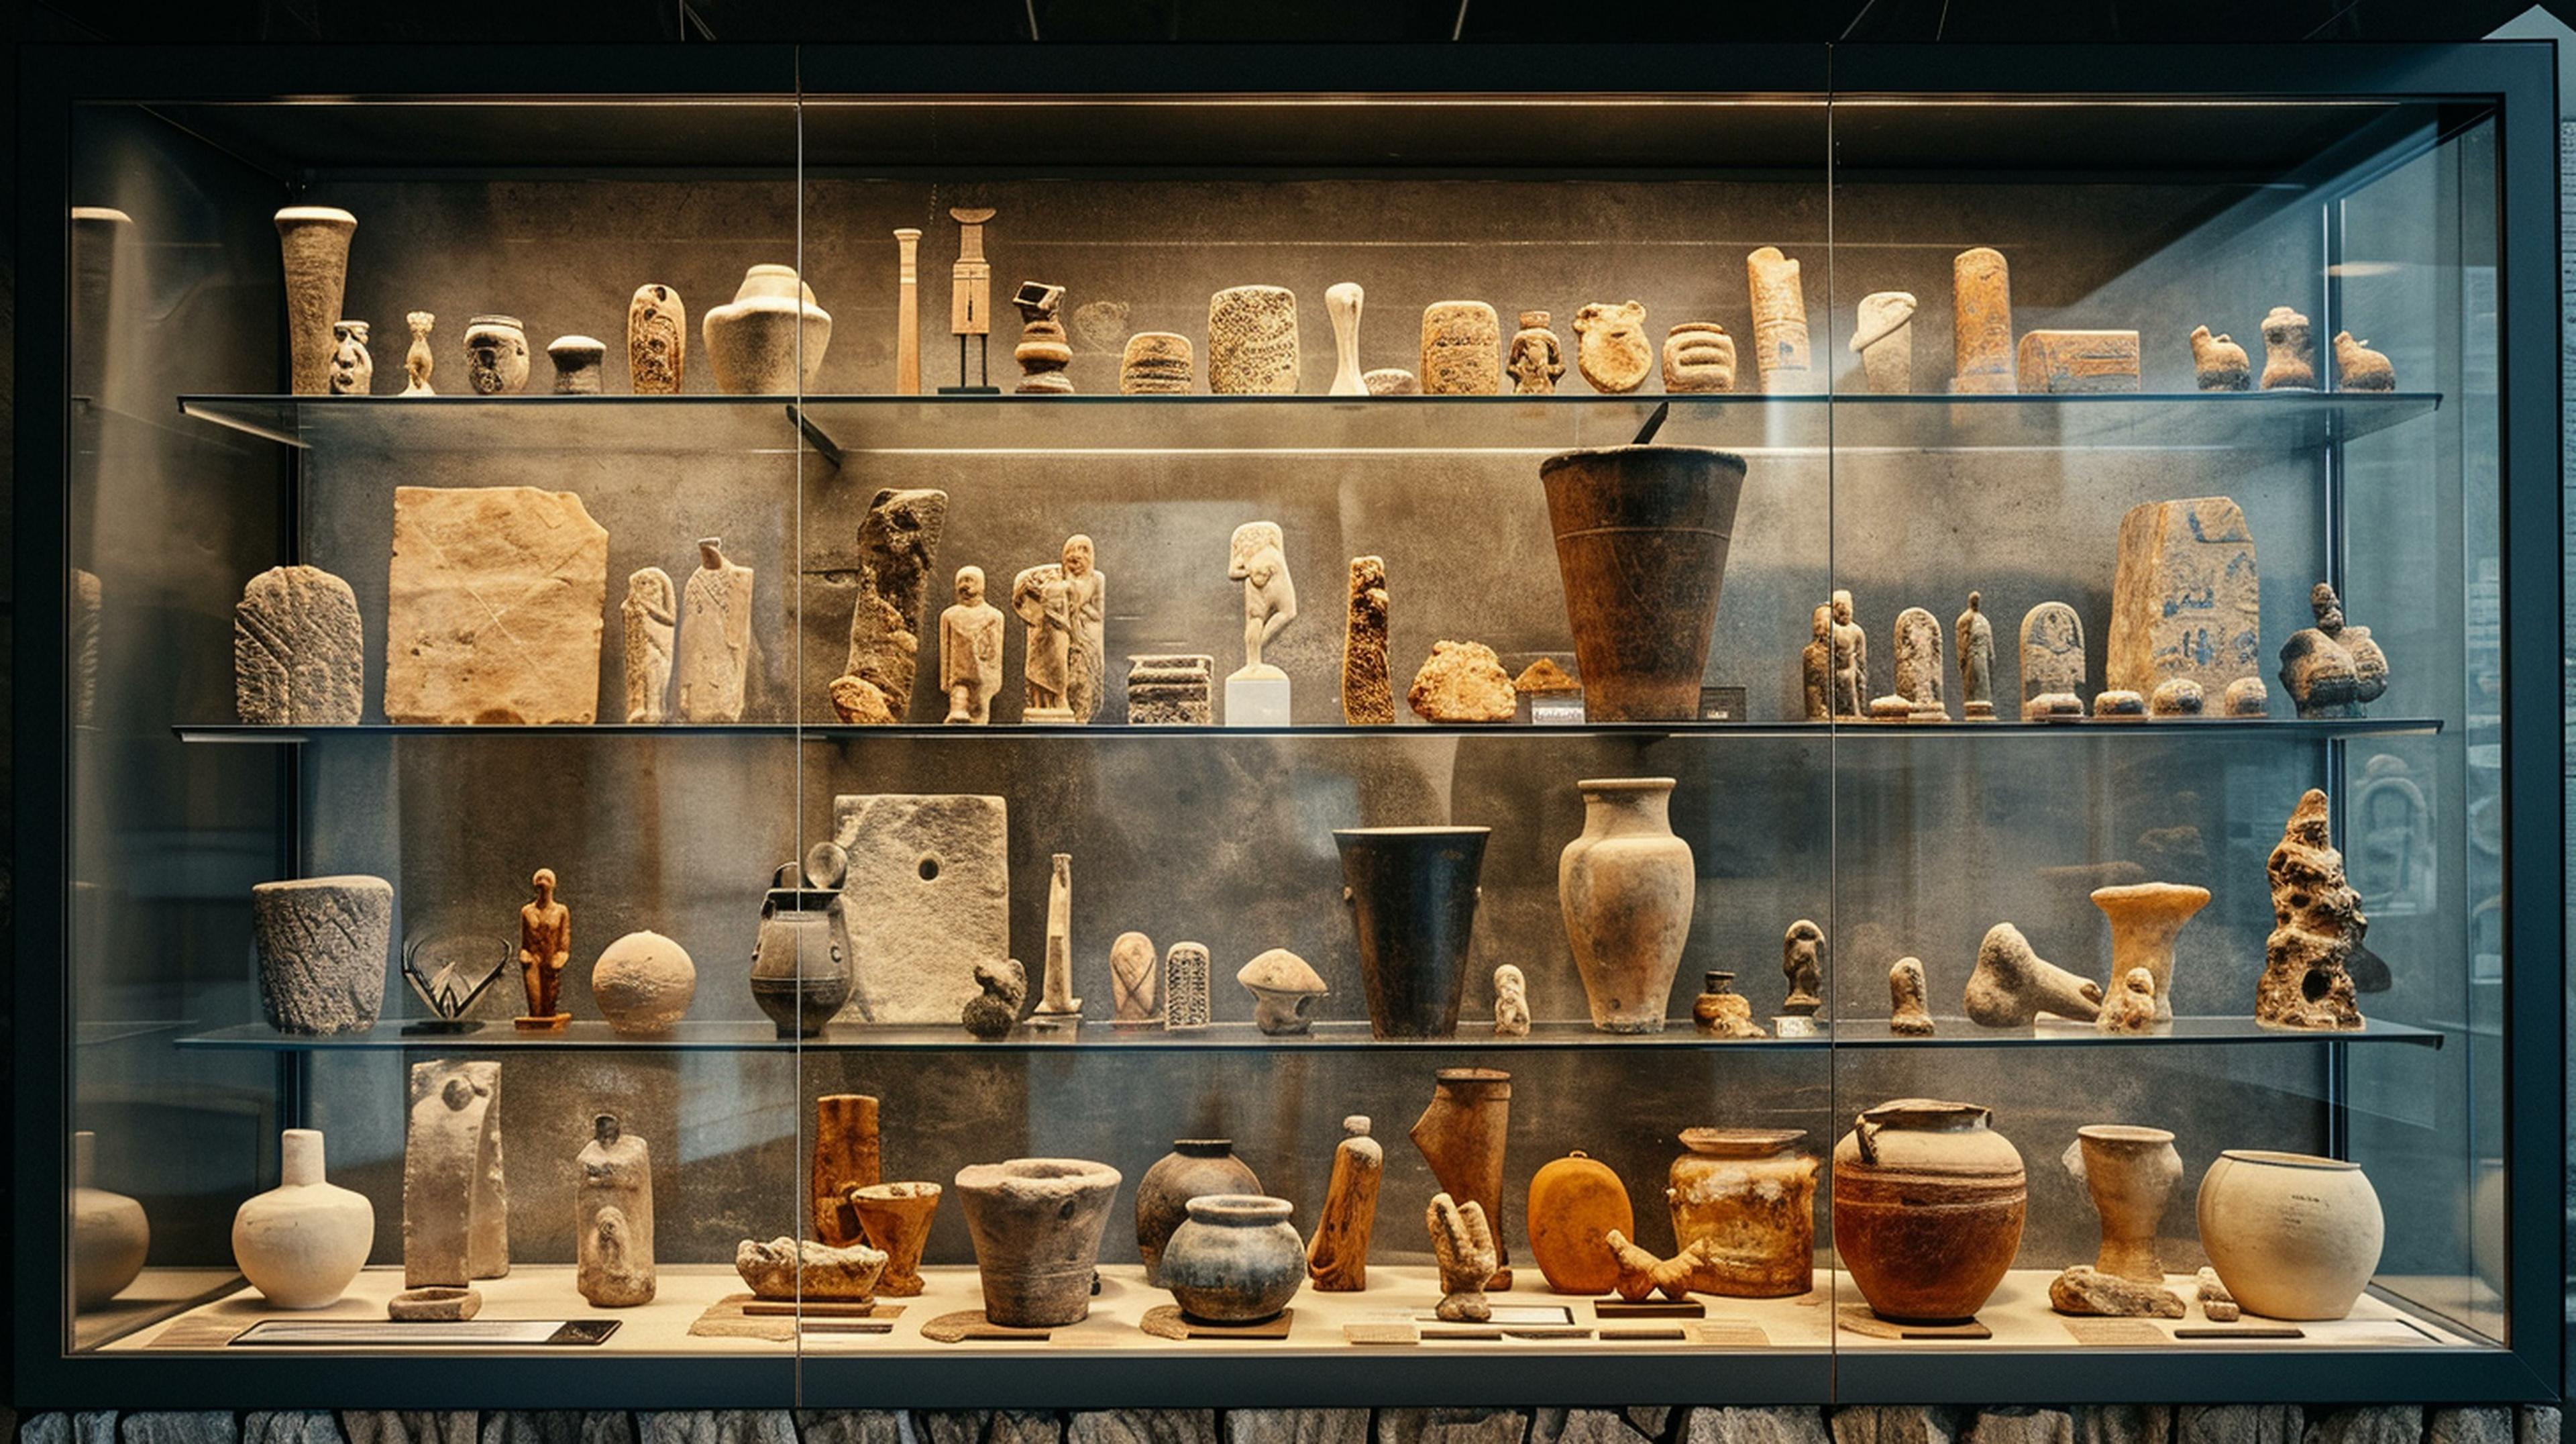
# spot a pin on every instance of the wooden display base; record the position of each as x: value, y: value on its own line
x: 2109, y: 1332
x: 1649, y: 1309
x: 1166, y: 1321
x: 1857, y: 1319
x: 553, y: 1023
x: 967, y: 1324
x: 743, y: 1316
x: 759, y: 1308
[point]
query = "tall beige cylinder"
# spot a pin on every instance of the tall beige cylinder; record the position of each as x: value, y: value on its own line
x: 315, y: 242
x: 1981, y: 301
x: 1779, y: 321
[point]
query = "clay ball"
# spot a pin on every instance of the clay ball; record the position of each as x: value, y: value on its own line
x: 643, y: 983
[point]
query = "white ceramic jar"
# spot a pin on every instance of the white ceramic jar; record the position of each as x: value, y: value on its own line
x: 301, y: 1242
x: 2292, y: 1235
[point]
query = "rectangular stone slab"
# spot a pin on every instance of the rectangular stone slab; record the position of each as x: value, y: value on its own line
x: 495, y: 607
x: 927, y: 895
x: 2077, y: 362
x: 2185, y: 600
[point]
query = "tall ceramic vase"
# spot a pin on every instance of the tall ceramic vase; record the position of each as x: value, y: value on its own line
x: 301, y: 1242
x: 315, y: 240
x: 2131, y: 1173
x: 1928, y: 1207
x: 1036, y: 1223
x: 2293, y: 1236
x: 1412, y: 894
x: 1641, y: 536
x: 1461, y: 1135
x: 110, y: 1235
x: 1626, y: 887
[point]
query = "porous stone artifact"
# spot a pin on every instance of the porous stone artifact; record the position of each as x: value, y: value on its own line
x: 494, y: 607
x: 613, y: 1218
x: 2357, y: 367
x: 1918, y: 664
x: 1699, y: 356
x: 2013, y: 984
x: 496, y: 355
x: 1625, y: 887
x: 301, y: 1242
x: 801, y: 956
x: 896, y: 1219
x: 1641, y: 543
x: 1537, y: 358
x: 1043, y: 352
x: 1982, y: 324
x: 545, y: 945
x: 1036, y: 1223
x: 715, y: 637
x: 898, y: 548
x: 1883, y: 339
x: 2292, y: 1235
x: 1975, y: 639
x: 578, y: 361
x: 1461, y: 1135
x: 787, y: 1268
x: 1466, y: 1247
x: 299, y: 652
x: 1171, y: 690
x: 657, y: 341
x: 110, y: 1236
x: 1576, y: 1203
x: 1056, y: 1001
x: 1546, y: 678
x: 643, y: 984
x: 651, y: 614
x: 1511, y: 1003
x: 1779, y: 321
x: 1816, y: 667
x: 1185, y: 986
x: 2084, y: 1289
x: 1412, y: 896
x: 1285, y: 991
x: 1851, y: 659
x: 1462, y: 349
x: 1743, y: 1203
x: 2289, y: 351
x: 1195, y: 1168
x: 2130, y: 1173
x: 2186, y: 599
x: 2331, y: 669
x: 1236, y: 1259
x: 2052, y: 662
x: 1256, y: 556
x: 1337, y: 1256
x: 2077, y: 362
x: 455, y: 1205
x: 1157, y: 363
x: 353, y: 371
x: 2216, y: 1304
x: 2119, y: 703
x: 907, y: 302
x: 1391, y: 381
x: 1002, y: 990
x: 925, y: 898
x: 1928, y: 1208
x: 2317, y: 922
x: 2144, y: 920
x: 2177, y: 697
x: 419, y: 361
x: 2218, y: 363
x: 1368, y: 692
x: 1134, y: 973
x: 1342, y: 302
x: 1610, y: 346
x: 848, y: 1155
x: 314, y: 240
x: 1462, y: 682
x: 769, y: 339
x: 2131, y: 1007
x: 1908, y: 1014
x: 1252, y: 341
x: 2245, y: 697
x: 1721, y: 1012
x: 1802, y: 963
x: 321, y: 944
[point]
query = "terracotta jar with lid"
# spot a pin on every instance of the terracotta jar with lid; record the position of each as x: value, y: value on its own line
x: 1575, y: 1203
x: 1747, y: 1198
x: 1928, y: 1208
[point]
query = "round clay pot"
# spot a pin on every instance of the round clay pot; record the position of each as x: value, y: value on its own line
x: 110, y: 1235
x: 1626, y: 887
x: 1749, y: 1197
x: 1236, y: 1259
x: 769, y: 339
x: 2131, y: 1173
x: 301, y: 1242
x: 1412, y: 894
x: 2292, y: 1235
x: 1641, y: 537
x: 643, y: 983
x: 496, y: 355
x: 1574, y: 1204
x: 1036, y: 1223
x: 896, y: 1218
x: 1928, y: 1208
x: 1195, y: 1167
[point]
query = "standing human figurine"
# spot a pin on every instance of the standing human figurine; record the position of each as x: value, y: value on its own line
x: 1257, y: 693
x: 545, y: 945
x: 613, y: 1218
x: 970, y: 651
x: 1976, y: 641
x: 2332, y: 669
x: 1086, y: 605
x: 1851, y: 660
x: 1042, y: 600
x: 1801, y: 962
x: 1816, y: 667
x: 1511, y: 1003
x: 715, y: 637
x: 970, y: 295
x: 419, y: 359
x: 652, y: 615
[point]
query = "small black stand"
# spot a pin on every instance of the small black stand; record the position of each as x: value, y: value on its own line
x: 982, y: 374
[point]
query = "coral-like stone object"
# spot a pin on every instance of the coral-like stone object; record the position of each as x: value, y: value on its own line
x: 2317, y: 922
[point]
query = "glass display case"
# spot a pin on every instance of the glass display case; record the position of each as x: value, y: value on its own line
x: 1404, y: 726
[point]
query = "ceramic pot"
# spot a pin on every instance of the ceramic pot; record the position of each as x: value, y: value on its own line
x: 1747, y: 1198
x: 1194, y: 1168
x: 847, y: 1155
x: 1412, y: 894
x: 1928, y: 1208
x: 2144, y: 919
x: 800, y: 970
x: 2131, y: 1174
x: 643, y: 983
x: 1641, y: 536
x: 1574, y: 1204
x: 1236, y: 1259
x: 1461, y: 1136
x: 315, y: 242
x: 2292, y: 1235
x: 301, y: 1242
x: 769, y: 339
x: 110, y: 1235
x: 896, y: 1219
x: 1626, y: 887
x: 1036, y: 1223
x: 496, y: 355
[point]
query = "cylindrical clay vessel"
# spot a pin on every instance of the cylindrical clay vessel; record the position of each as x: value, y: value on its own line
x: 1641, y: 541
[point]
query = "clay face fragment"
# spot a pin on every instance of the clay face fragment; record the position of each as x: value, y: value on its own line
x: 2013, y: 984
x: 299, y: 653
x: 926, y: 897
x: 2078, y: 362
x: 898, y: 549
x: 2186, y: 597
x: 2052, y: 662
x: 1252, y: 341
x: 2132, y: 1006
x: 613, y: 1218
x: 1982, y: 336
x: 2317, y: 922
x: 1368, y: 695
x: 495, y: 606
x: 455, y: 1212
x: 353, y: 371
x: 1779, y: 321
x: 1462, y: 349
x: 1611, y: 348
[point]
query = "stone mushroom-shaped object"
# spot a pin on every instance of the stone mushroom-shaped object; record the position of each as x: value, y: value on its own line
x: 1284, y: 991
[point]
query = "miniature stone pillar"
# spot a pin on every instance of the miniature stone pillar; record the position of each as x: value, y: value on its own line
x: 1342, y: 303
x: 907, y: 313
x: 1057, y: 1004
x: 1981, y: 301
x: 1779, y: 321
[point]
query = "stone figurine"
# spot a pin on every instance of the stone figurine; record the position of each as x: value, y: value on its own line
x: 1462, y: 349
x: 1918, y: 664
x: 1134, y: 972
x: 715, y: 637
x: 1610, y: 346
x: 1851, y: 660
x: 1511, y: 1003
x: 970, y: 652
x: 1975, y: 638
x: 2317, y: 922
x: 2218, y: 363
x: 1982, y: 322
x: 1816, y: 667
x: 898, y: 547
x: 613, y: 1217
x: 1368, y: 689
x: 1337, y: 1256
x: 2357, y: 367
x: 1043, y: 352
x: 1802, y: 963
x: 419, y: 361
x: 2052, y: 662
x: 651, y: 613
x: 1537, y: 357
x: 1780, y: 354
x: 657, y: 341
x: 2012, y: 984
x: 1043, y: 601
x: 1464, y: 1245
x: 1256, y: 557
x: 1883, y: 339
x: 353, y: 371
x: 2289, y: 352
x: 299, y: 650
x: 545, y: 945
x: 1462, y: 682
x: 1086, y: 601
x: 1342, y: 302
x: 1056, y: 1001
x: 1699, y: 357
x: 2331, y: 669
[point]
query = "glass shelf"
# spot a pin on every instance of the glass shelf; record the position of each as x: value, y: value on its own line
x: 2227, y: 728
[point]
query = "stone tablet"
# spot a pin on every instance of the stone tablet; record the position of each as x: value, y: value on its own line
x: 299, y: 654
x: 456, y: 1211
x: 2052, y: 662
x: 1171, y: 690
x: 1252, y: 341
x: 2185, y: 601
x: 898, y: 546
x: 494, y: 607
x: 716, y: 644
x: 1918, y: 663
x: 2077, y: 362
x: 927, y: 895
x: 1981, y: 321
x: 1462, y: 349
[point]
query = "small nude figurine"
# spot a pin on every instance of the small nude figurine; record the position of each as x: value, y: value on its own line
x: 1256, y: 558
x: 970, y: 651
x: 1816, y: 665
x: 418, y: 360
x: 2332, y: 669
x: 1976, y: 643
x: 545, y: 945
x: 1801, y: 950
x: 1851, y: 661
x: 1511, y: 1003
x: 651, y: 612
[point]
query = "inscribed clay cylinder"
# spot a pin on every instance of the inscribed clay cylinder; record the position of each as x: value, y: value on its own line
x: 1252, y: 341
x: 315, y: 242
x: 1981, y: 301
x: 845, y: 1157
x: 1462, y: 349
x: 1779, y: 320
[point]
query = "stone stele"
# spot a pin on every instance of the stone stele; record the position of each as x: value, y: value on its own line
x: 2052, y: 662
x: 1918, y: 664
x: 1368, y: 693
x: 299, y: 653
x: 2185, y: 600
x: 898, y: 547
x: 1463, y: 682
x: 494, y: 607
x: 928, y: 896
x: 1462, y: 349
x: 456, y: 1212
x: 322, y: 948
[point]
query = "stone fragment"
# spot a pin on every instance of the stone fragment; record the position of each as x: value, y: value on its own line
x: 613, y: 1217
x: 2237, y: 1424
x: 787, y: 1268
x: 716, y: 645
x: 456, y: 1224
x: 2177, y: 697
x: 1545, y: 677
x: 1134, y: 972
x: 1780, y: 353
x: 1185, y: 986
x: 2119, y: 702
x: 2246, y: 697
x: 2289, y: 352
x: 1156, y: 363
x: 2216, y: 1303
x: 1337, y: 1254
x: 2218, y: 363
x: 2331, y: 669
x: 2077, y: 362
x: 1755, y: 1426
x: 1582, y: 1426
x: 1252, y: 341
x: 1891, y: 708
x: 2372, y: 1424
x: 416, y: 1426
x: 1020, y: 1426
x: 1452, y: 1426
x: 87, y: 608
x: 1650, y: 1419
x: 2124, y: 1424
x: 1537, y: 358
x: 851, y: 1426
x: 1699, y: 357
x: 2317, y: 923
x: 1462, y: 682
x: 1368, y: 694
x: 2131, y: 1009
x: 1883, y: 338
x: 322, y: 948
x: 2021, y: 1425
x: 2013, y: 984
x: 1296, y: 1426
x: 651, y: 613
x: 957, y: 1426
x: 1462, y: 349
x: 898, y: 549
x: 927, y: 897
x: 2472, y: 1425
x: 299, y: 652
x: 187, y: 1426
x: 2536, y: 1424
x: 1141, y: 1426
x: 657, y: 341
x: 717, y: 1426
x: 2186, y: 599
x: 2052, y: 662
x: 1610, y: 346
x: 2085, y: 1289
x: 1171, y: 689
x: 494, y: 607
x: 1982, y: 326
x: 2358, y: 368
x: 1918, y: 664
x: 859, y: 704
x: 1908, y: 1016
x: 1391, y: 381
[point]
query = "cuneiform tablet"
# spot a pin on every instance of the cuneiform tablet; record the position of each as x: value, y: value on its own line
x: 2077, y: 362
x: 1252, y: 341
x: 1462, y: 349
